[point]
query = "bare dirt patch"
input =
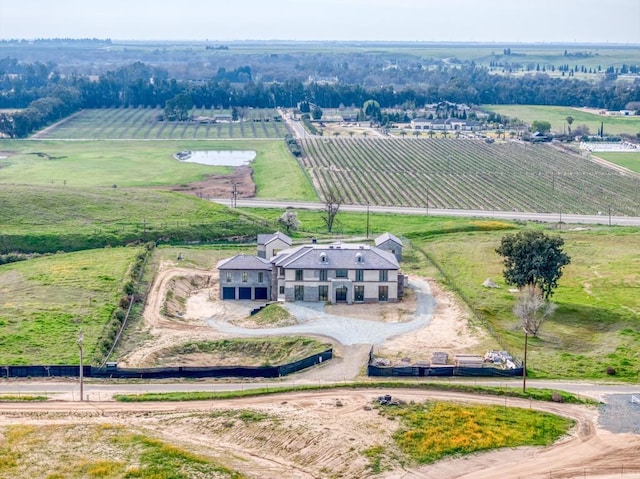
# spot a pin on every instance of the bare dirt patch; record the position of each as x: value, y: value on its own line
x: 222, y: 186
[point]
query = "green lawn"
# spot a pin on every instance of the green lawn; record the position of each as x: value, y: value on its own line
x: 556, y: 115
x: 44, y: 302
x: 629, y: 160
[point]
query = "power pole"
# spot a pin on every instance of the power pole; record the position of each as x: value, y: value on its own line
x: 234, y: 195
x: 80, y: 339
x: 367, y: 219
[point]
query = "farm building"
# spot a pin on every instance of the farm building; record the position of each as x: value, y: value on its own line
x: 334, y: 273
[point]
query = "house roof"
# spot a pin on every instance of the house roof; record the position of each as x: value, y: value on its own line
x: 245, y: 262
x: 336, y: 256
x: 386, y: 237
x: 265, y: 239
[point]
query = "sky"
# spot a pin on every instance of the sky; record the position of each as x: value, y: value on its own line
x: 500, y: 21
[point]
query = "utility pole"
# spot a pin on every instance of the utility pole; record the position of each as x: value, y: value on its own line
x: 427, y: 205
x: 80, y: 339
x: 609, y: 215
x: 524, y: 363
x: 234, y: 197
x: 367, y: 219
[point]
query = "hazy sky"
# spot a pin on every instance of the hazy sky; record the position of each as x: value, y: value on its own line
x: 590, y: 21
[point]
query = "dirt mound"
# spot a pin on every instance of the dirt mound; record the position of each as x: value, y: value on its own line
x: 222, y: 186
x: 179, y: 288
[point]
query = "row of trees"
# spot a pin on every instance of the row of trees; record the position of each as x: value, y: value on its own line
x: 141, y: 85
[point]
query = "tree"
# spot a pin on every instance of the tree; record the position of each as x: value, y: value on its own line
x: 332, y: 203
x: 532, y: 258
x: 289, y: 221
x: 541, y: 127
x: 531, y: 309
x: 569, y: 122
x: 316, y: 113
x: 178, y: 107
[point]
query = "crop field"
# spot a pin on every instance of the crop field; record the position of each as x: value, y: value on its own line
x: 468, y: 174
x: 557, y: 115
x: 144, y: 124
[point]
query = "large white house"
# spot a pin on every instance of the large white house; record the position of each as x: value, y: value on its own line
x: 333, y: 273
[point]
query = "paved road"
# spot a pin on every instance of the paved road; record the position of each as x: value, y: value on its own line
x: 603, y: 219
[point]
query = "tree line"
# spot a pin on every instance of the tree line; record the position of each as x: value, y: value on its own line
x: 43, y: 95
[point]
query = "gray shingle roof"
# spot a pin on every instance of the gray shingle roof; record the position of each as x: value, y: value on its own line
x: 268, y: 238
x: 245, y: 262
x: 386, y: 237
x: 336, y: 256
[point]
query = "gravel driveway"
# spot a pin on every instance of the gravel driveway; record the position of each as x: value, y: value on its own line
x: 619, y: 414
x: 312, y: 319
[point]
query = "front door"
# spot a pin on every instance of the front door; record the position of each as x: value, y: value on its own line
x: 341, y: 294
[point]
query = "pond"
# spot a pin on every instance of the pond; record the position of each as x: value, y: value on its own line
x: 217, y: 157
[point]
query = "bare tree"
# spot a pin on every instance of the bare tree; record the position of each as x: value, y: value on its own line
x: 332, y: 203
x: 531, y: 309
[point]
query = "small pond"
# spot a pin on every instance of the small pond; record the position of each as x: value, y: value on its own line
x: 217, y: 157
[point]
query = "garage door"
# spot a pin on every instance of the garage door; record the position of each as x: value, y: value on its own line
x: 261, y: 293
x: 245, y: 293
x: 228, y: 293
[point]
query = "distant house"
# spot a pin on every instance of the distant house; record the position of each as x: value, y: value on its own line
x: 448, y: 124
x: 223, y: 118
x: 388, y: 242
x: 245, y: 277
x: 270, y: 244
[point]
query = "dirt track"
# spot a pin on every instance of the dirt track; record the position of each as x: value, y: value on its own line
x: 328, y: 431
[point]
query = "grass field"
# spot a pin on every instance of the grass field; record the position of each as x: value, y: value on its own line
x: 630, y: 161
x: 556, y: 115
x: 46, y: 301
x: 596, y: 323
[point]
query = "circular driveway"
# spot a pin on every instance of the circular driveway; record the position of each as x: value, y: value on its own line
x: 313, y: 320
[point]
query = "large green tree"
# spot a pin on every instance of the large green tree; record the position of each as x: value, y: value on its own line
x: 532, y: 258
x: 541, y: 126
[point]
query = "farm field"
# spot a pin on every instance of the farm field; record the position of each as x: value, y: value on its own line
x: 468, y: 174
x: 630, y: 161
x: 46, y: 300
x: 556, y: 115
x: 143, y: 124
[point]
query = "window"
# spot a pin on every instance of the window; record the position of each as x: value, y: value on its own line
x: 299, y: 293
x: 323, y: 257
x: 342, y: 273
x: 323, y: 275
x: 359, y: 258
x: 298, y: 275
x: 260, y: 277
x: 229, y: 276
x: 383, y: 293
x: 281, y: 271
x: 358, y: 294
x: 323, y: 293
x: 245, y: 276
x: 359, y: 275
x: 281, y: 289
x: 384, y: 276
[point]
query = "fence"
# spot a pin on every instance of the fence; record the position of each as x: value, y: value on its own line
x: 112, y: 371
x: 441, y: 371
